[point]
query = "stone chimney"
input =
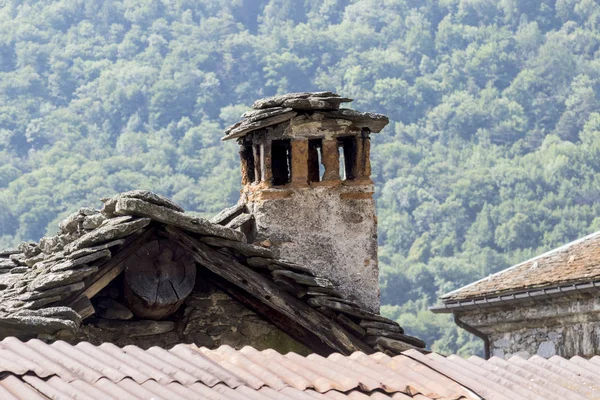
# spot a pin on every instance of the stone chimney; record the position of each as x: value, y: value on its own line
x: 306, y: 180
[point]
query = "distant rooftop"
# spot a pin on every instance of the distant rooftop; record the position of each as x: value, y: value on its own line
x: 573, y: 264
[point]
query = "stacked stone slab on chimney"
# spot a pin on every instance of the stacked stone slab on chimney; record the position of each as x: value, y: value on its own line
x: 306, y: 180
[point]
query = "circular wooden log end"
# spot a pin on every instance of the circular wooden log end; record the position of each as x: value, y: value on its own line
x: 158, y: 278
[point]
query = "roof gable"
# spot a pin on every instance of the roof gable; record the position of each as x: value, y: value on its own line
x: 52, y: 288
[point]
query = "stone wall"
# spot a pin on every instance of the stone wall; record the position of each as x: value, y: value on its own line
x: 565, y: 326
x: 209, y: 317
x: 331, y: 229
x: 581, y: 339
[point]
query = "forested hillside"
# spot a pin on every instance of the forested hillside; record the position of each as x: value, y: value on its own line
x: 492, y: 155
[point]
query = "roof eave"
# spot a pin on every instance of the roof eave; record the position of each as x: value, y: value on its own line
x: 533, y: 294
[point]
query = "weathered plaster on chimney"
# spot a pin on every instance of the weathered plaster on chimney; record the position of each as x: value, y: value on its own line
x: 329, y: 225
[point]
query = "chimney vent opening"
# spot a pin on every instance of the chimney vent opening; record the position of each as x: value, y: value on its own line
x: 281, y: 162
x: 315, y: 160
x: 247, y: 157
x: 347, y: 148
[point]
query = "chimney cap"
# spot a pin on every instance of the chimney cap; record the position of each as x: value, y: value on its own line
x: 279, y: 109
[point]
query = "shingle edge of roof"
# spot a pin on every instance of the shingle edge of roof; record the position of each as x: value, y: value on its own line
x: 515, y: 296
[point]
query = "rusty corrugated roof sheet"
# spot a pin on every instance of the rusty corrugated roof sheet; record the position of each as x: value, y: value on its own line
x: 36, y: 370
x: 573, y: 263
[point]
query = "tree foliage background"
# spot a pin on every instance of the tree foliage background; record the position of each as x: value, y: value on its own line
x: 492, y: 155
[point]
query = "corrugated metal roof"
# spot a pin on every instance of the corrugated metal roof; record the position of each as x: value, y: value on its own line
x: 36, y: 370
x: 518, y: 378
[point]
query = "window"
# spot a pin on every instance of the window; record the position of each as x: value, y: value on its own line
x: 315, y: 160
x: 281, y: 162
x: 347, y: 146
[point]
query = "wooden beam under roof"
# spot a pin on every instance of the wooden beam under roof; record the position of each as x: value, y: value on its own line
x: 110, y: 269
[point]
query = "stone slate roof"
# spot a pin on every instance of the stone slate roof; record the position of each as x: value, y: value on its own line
x: 34, y: 370
x: 279, y: 109
x: 45, y: 286
x: 573, y: 264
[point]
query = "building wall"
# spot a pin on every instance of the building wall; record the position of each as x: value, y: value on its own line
x: 565, y: 326
x: 575, y: 339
